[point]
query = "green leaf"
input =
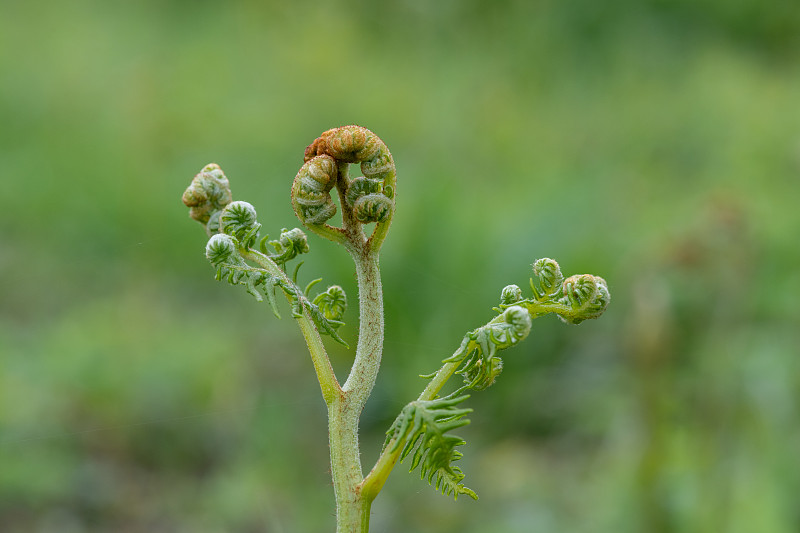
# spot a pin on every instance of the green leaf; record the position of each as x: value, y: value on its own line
x: 422, y: 429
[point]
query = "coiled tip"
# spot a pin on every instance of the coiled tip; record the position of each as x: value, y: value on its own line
x: 208, y: 194
x: 510, y: 294
x: 549, y: 276
x: 587, y: 295
x: 239, y: 219
x: 519, y: 319
x: 220, y: 248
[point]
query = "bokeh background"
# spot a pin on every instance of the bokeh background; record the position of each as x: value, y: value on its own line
x: 654, y: 143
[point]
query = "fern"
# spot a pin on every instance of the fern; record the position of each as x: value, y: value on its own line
x: 423, y: 429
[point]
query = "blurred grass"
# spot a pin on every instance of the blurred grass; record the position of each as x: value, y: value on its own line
x: 654, y: 143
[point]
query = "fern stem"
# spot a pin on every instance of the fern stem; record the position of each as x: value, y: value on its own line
x: 352, y: 504
x: 345, y: 464
x: 370, y: 335
x: 319, y: 356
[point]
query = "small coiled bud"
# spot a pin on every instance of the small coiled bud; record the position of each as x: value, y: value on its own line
x: 311, y: 190
x: 549, y: 277
x: 510, y: 294
x: 380, y: 167
x: 373, y: 208
x: 362, y: 186
x: 586, y: 295
x: 483, y: 374
x: 519, y: 322
x: 221, y: 249
x: 207, y: 195
x: 289, y: 245
x: 332, y: 303
x: 239, y: 219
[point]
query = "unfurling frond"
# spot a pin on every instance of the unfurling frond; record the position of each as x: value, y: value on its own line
x: 223, y: 253
x: 332, y: 303
x: 423, y: 427
x: 574, y: 299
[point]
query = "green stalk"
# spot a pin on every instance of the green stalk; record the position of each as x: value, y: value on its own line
x: 319, y: 357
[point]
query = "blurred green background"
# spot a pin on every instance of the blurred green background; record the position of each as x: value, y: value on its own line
x: 654, y: 143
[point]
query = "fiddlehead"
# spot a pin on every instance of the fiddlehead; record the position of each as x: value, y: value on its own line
x: 587, y: 297
x: 332, y: 303
x: 222, y: 251
x: 423, y: 427
x: 311, y: 190
x: 549, y: 278
x: 239, y: 220
x: 366, y: 199
x: 510, y: 294
x: 289, y: 245
x: 207, y: 195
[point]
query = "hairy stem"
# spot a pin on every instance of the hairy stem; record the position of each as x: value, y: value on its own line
x: 370, y: 335
x: 352, y: 507
x: 345, y: 464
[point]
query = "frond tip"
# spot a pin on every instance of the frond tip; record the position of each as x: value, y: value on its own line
x: 207, y: 195
x: 574, y: 299
x: 422, y: 428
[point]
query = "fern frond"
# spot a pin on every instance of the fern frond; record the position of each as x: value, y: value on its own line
x: 479, y: 347
x: 222, y: 252
x: 423, y: 428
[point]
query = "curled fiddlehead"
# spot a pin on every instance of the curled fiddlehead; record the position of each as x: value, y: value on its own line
x: 222, y: 251
x: 332, y: 303
x: 423, y: 427
x: 366, y: 199
x: 207, y: 195
x: 311, y: 190
x: 510, y: 294
x: 549, y: 277
x: 587, y: 297
x: 239, y: 220
x: 289, y: 245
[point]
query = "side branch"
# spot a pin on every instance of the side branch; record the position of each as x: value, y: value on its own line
x: 319, y: 356
x: 374, y: 481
